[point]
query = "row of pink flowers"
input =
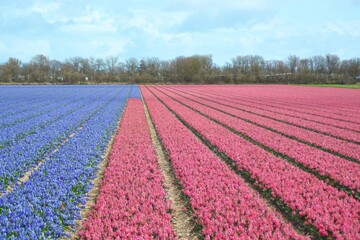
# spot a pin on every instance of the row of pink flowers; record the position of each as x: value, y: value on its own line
x: 285, y: 98
x: 131, y: 202
x: 343, y: 102
x: 286, y: 117
x: 333, y: 103
x: 345, y: 172
x: 285, y: 114
x: 224, y: 204
x: 327, y: 208
x: 343, y: 147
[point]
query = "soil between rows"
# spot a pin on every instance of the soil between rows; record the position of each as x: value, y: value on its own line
x: 182, y: 221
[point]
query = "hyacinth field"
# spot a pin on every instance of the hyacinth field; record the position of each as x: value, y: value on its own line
x: 179, y: 162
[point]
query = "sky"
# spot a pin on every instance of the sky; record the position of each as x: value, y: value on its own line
x: 167, y: 29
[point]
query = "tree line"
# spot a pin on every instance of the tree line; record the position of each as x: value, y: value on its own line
x: 199, y: 69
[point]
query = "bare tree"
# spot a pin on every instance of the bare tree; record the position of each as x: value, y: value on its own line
x: 112, y: 65
x: 153, y: 67
x: 319, y: 64
x: 192, y: 69
x: 41, y: 68
x: 132, y: 67
x: 293, y: 62
x: 55, y: 69
x: 11, y: 70
x: 164, y: 71
x: 332, y: 63
x: 351, y: 67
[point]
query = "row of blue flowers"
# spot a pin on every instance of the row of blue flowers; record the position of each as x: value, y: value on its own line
x: 48, y: 204
x: 31, y: 141
x: 34, y: 113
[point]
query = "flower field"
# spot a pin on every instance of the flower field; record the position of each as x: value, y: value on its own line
x: 246, y: 162
x: 132, y: 186
x: 57, y: 136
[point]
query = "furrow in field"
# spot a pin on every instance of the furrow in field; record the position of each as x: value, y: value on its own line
x: 32, y: 153
x: 182, y: 218
x: 346, y: 150
x: 283, y: 100
x: 282, y: 114
x: 26, y: 175
x: 131, y: 199
x: 15, y: 110
x: 332, y: 212
x: 224, y: 204
x: 36, y: 115
x: 47, y: 205
x: 333, y: 170
x: 279, y: 102
x: 340, y: 101
x: 13, y: 133
x: 12, y: 104
x: 344, y: 135
x: 12, y: 136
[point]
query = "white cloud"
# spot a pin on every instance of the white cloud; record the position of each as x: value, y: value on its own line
x: 343, y: 28
x: 150, y: 20
x: 88, y: 29
x: 272, y: 25
x: 215, y: 5
x: 44, y: 8
x: 170, y: 28
x: 25, y: 50
x: 85, y: 26
x: 100, y: 48
x: 87, y: 15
